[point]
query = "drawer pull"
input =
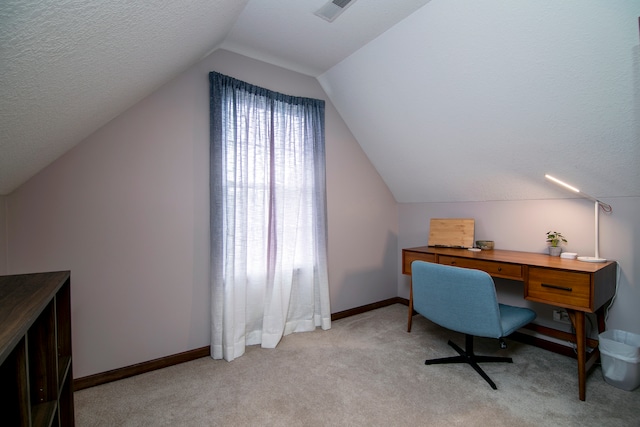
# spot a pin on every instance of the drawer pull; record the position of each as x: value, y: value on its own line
x: 499, y: 268
x: 562, y: 288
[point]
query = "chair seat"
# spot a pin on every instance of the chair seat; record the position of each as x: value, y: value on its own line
x: 513, y: 318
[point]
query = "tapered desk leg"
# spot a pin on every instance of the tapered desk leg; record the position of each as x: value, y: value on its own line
x: 577, y: 317
x: 600, y: 318
x: 410, y: 305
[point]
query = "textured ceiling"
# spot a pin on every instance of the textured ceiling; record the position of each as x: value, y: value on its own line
x: 476, y: 101
x: 288, y: 33
x: 452, y: 100
x: 67, y: 67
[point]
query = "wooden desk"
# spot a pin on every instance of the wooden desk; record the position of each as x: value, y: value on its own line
x: 577, y: 286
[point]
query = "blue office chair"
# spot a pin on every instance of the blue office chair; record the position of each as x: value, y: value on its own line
x: 464, y: 300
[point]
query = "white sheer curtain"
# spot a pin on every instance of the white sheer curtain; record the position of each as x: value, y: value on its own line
x: 268, y: 216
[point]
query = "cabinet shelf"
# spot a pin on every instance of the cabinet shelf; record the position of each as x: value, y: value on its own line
x: 43, y: 414
x: 35, y: 350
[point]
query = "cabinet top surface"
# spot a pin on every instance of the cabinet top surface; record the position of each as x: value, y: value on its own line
x: 22, y: 299
x: 516, y: 257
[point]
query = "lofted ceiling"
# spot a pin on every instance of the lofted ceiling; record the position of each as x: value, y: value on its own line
x: 476, y: 101
x: 452, y: 100
x: 289, y: 34
x: 67, y: 67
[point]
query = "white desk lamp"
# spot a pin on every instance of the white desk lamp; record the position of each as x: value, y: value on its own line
x: 598, y: 204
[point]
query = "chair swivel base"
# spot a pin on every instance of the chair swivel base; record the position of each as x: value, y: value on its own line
x: 468, y: 356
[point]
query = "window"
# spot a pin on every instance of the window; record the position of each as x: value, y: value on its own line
x: 268, y: 216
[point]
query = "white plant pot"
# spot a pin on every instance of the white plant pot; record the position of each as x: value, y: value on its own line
x: 555, y: 250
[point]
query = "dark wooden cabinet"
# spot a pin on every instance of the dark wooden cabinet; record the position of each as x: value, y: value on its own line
x: 36, y: 386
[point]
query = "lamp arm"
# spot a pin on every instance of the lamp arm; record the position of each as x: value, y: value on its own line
x: 605, y: 207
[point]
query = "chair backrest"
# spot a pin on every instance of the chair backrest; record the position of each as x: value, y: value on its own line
x: 460, y: 299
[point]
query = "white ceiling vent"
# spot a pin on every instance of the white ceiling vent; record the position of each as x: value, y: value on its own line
x: 333, y: 9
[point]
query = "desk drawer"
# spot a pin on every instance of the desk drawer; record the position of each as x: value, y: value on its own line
x: 494, y: 268
x: 569, y: 289
x: 408, y: 257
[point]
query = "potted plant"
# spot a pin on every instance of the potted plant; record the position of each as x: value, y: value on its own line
x: 555, y: 239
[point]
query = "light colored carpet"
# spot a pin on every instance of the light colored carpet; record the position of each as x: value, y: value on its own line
x: 365, y: 371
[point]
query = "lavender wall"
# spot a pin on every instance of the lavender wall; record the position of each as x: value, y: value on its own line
x: 522, y: 226
x: 127, y: 212
x: 3, y: 235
